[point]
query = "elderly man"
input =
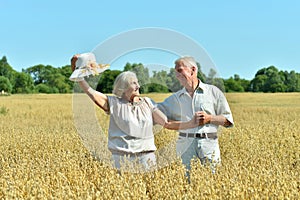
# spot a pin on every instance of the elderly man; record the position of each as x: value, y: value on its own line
x: 200, y: 142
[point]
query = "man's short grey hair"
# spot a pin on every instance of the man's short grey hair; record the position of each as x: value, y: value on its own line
x: 188, y: 61
x: 122, y: 82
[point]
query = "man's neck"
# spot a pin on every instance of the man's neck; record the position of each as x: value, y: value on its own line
x: 192, y: 87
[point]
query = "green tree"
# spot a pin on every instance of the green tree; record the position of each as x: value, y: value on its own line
x: 159, y: 77
x: 172, y: 82
x: 155, y: 87
x: 55, y: 78
x: 232, y: 85
x: 268, y: 80
x: 43, y: 88
x: 292, y: 81
x: 258, y: 83
x: 59, y: 82
x: 212, y: 79
x: 274, y: 82
x: 106, y: 81
x: 7, y: 71
x: 159, y: 82
x: 5, y: 85
x: 23, y: 83
x: 236, y: 84
x: 200, y: 74
x: 66, y: 72
x: 37, y: 72
x: 245, y: 84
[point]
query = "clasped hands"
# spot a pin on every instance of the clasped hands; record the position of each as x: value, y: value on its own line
x: 201, y: 118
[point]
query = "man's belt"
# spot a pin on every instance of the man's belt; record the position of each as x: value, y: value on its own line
x: 121, y: 153
x: 200, y: 135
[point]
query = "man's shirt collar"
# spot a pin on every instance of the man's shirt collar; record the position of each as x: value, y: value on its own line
x: 200, y: 88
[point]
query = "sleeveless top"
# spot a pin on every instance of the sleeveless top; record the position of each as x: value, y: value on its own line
x: 131, y: 125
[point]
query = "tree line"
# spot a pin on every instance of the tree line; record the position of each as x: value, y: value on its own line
x: 48, y: 79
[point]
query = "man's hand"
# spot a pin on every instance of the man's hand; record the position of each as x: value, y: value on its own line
x: 203, y: 117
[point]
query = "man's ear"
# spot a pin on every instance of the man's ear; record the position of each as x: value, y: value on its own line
x: 193, y: 70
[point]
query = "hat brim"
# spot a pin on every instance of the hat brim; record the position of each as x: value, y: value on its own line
x: 79, y: 74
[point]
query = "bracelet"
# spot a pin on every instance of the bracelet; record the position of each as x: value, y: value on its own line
x: 91, y: 91
x: 79, y: 79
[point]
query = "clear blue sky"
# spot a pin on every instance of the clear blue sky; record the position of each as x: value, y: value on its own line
x: 240, y: 37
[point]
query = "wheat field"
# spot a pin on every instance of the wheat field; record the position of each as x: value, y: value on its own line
x: 42, y: 156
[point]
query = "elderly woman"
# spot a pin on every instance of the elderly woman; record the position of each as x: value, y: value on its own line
x: 130, y: 133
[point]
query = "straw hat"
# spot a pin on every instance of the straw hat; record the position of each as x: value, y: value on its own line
x: 86, y: 65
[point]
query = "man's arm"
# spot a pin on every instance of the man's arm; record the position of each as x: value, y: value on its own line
x: 213, y: 119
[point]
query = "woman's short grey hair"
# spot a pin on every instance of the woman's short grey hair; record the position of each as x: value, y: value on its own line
x: 122, y: 82
x: 188, y: 61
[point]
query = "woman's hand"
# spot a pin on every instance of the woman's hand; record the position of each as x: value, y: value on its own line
x: 73, y: 61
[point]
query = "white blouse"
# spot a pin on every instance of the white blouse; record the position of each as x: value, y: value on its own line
x: 131, y: 125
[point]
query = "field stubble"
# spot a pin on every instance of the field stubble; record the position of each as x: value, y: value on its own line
x: 43, y: 157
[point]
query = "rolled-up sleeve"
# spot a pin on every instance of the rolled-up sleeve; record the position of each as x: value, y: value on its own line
x: 224, y: 109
